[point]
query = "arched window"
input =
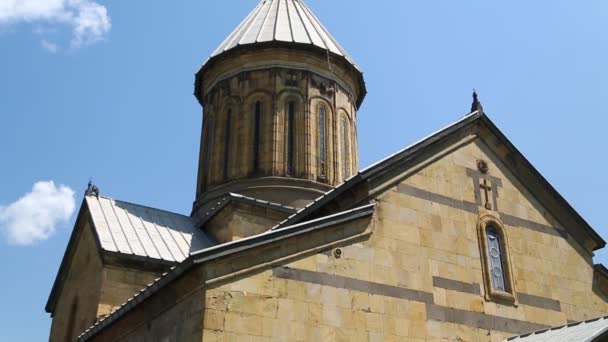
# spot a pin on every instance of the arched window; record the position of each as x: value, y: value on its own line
x: 495, y: 256
x: 227, y: 143
x: 345, y: 150
x: 322, y: 143
x: 496, y: 263
x: 256, y: 136
x: 207, y: 156
x: 291, y: 139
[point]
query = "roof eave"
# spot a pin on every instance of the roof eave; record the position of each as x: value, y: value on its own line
x: 198, y: 83
x: 600, y: 242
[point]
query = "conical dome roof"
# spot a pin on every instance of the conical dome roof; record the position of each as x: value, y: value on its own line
x: 285, y: 21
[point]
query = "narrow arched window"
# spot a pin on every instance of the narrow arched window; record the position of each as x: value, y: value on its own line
x: 256, y: 136
x: 345, y: 154
x: 208, y: 142
x: 496, y: 263
x: 291, y: 139
x: 322, y: 143
x: 495, y: 257
x: 227, y: 143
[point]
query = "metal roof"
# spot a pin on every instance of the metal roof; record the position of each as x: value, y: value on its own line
x: 133, y: 229
x: 287, y: 21
x: 577, y: 332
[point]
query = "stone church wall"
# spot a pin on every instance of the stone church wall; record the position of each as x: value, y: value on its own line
x: 417, y: 275
x: 77, y: 305
x: 92, y: 290
x: 420, y: 276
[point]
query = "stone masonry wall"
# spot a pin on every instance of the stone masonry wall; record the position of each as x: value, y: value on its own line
x: 419, y: 277
x: 76, y: 307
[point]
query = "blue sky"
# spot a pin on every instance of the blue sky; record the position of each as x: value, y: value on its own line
x: 103, y: 89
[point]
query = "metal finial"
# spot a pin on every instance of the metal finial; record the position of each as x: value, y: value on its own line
x: 476, y: 106
x: 92, y: 190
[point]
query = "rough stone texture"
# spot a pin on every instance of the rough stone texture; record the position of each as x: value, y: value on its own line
x: 189, y: 310
x: 417, y: 277
x: 120, y: 284
x: 275, y: 77
x: 418, y: 245
x: 237, y: 221
x: 77, y: 306
x: 92, y: 289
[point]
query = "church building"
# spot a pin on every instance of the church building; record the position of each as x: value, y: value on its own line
x: 457, y: 237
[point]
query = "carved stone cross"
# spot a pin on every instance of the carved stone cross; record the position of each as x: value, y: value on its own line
x: 487, y: 188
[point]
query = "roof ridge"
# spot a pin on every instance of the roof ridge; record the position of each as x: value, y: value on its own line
x: 139, y: 205
x: 342, y: 187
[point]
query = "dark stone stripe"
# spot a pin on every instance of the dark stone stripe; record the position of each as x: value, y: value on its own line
x: 437, y: 198
x: 433, y: 312
x: 352, y: 284
x: 541, y: 228
x: 473, y: 208
x: 456, y: 285
x: 539, y: 302
x: 480, y: 320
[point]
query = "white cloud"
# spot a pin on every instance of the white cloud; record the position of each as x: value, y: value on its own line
x: 49, y: 46
x: 88, y: 20
x: 35, y: 216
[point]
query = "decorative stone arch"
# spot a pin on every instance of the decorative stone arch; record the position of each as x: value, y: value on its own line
x: 248, y: 133
x: 345, y: 146
x: 205, y: 151
x: 487, y: 222
x: 226, y: 140
x: 321, y: 169
x: 345, y: 111
x: 297, y: 128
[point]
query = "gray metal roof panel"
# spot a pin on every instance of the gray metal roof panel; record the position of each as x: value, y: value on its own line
x: 288, y: 21
x: 586, y: 331
x: 133, y: 229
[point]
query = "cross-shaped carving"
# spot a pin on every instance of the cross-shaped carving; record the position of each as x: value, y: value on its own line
x: 487, y: 188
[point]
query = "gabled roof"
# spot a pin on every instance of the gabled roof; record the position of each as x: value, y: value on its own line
x: 586, y: 331
x: 222, y: 250
x: 133, y: 231
x: 288, y: 21
x: 476, y: 120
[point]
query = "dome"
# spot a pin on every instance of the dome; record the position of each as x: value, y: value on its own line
x: 283, y: 21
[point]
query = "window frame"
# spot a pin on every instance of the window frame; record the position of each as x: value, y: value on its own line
x: 208, y: 143
x: 227, y: 145
x: 345, y: 146
x: 257, y: 134
x: 485, y: 221
x: 291, y: 109
x: 322, y: 141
